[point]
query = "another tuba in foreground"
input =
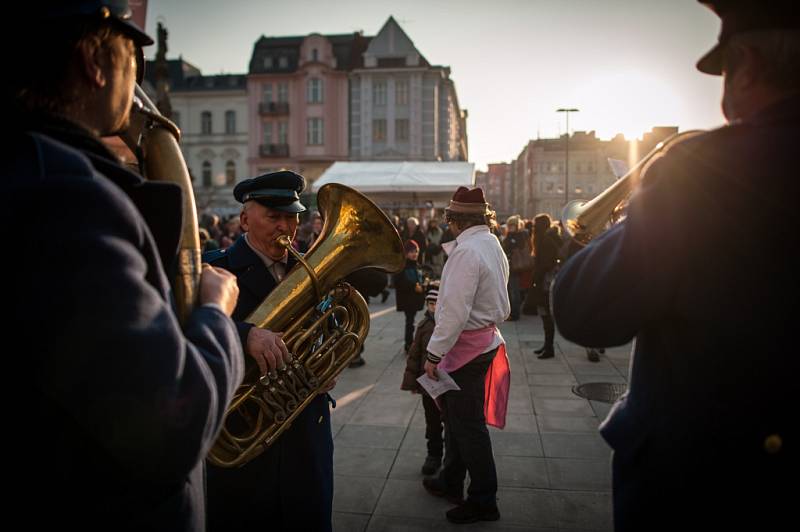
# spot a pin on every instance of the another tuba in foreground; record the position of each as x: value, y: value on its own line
x: 586, y: 220
x: 324, y: 320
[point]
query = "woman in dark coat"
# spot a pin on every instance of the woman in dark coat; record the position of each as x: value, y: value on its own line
x: 546, y: 245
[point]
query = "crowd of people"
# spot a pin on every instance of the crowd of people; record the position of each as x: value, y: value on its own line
x: 126, y: 396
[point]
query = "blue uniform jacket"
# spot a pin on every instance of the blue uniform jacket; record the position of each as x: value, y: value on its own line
x: 119, y: 406
x: 702, y: 275
x: 290, y: 485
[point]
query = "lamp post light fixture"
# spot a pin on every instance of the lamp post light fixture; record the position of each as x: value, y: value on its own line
x: 566, y: 167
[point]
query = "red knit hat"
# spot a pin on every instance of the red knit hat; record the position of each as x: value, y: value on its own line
x: 411, y: 245
x: 469, y: 201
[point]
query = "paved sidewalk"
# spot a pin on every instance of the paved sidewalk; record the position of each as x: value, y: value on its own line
x: 553, y: 468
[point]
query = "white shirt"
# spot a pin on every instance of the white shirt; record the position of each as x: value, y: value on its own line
x: 277, y: 268
x: 473, y: 291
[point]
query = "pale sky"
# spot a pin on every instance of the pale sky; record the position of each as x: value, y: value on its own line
x: 627, y: 65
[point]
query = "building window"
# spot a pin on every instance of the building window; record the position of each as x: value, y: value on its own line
x: 283, y: 132
x: 314, y: 131
x: 267, y: 133
x: 379, y: 130
x: 206, y: 174
x: 176, y: 118
x: 401, y: 92
x: 283, y: 61
x: 230, y: 173
x: 283, y: 92
x: 549, y: 186
x: 401, y: 129
x: 267, y: 93
x: 268, y: 62
x: 314, y: 55
x: 230, y: 122
x: 379, y: 93
x: 314, y: 91
x: 205, y: 122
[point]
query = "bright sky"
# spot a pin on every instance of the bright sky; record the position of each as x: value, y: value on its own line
x: 627, y: 65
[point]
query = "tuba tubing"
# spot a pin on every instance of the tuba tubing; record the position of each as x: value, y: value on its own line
x: 154, y: 138
x: 321, y: 335
x: 584, y: 220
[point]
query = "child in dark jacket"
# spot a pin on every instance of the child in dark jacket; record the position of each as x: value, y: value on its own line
x: 415, y: 363
x: 409, y: 284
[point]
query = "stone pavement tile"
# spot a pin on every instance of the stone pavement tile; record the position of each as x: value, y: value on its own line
x: 556, y: 406
x: 567, y: 424
x: 601, y: 409
x: 518, y: 423
x: 603, y: 367
x: 619, y: 379
x: 346, y: 522
x: 563, y: 392
x: 408, y: 465
x: 574, y: 445
x: 403, y: 497
x: 356, y: 494
x: 580, y: 475
x: 414, y: 439
x: 362, y: 461
x: 521, y: 472
x: 385, y: 523
x: 520, y: 402
x: 535, y: 366
x: 555, y: 379
x: 385, y: 409
x: 587, y: 510
x: 527, y: 507
x: 372, y: 436
x: 516, y: 444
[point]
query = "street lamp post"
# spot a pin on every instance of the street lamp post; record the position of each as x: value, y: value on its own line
x: 566, y: 167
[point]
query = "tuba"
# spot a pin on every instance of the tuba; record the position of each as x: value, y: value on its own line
x: 586, y: 220
x: 154, y: 138
x: 324, y: 320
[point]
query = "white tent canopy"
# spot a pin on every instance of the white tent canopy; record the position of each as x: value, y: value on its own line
x: 400, y: 176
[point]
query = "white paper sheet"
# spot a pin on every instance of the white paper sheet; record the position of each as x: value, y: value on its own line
x: 437, y: 388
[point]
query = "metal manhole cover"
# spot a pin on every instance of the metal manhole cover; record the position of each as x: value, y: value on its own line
x: 606, y: 392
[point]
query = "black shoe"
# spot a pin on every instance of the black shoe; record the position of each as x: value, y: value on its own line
x: 592, y: 355
x: 436, y: 487
x: 431, y: 465
x: 357, y: 362
x: 540, y: 350
x: 547, y: 353
x: 472, y: 512
x: 384, y: 296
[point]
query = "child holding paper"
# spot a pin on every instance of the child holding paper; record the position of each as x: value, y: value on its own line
x: 414, y: 368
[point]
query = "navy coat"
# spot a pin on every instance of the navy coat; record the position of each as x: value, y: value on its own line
x: 702, y: 276
x: 119, y: 406
x: 290, y: 485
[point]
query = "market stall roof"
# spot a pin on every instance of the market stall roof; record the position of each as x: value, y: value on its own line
x: 399, y: 176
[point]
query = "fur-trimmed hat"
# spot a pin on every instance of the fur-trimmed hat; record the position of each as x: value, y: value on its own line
x: 432, y: 295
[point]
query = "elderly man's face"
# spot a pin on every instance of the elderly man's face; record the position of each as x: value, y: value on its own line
x: 264, y: 225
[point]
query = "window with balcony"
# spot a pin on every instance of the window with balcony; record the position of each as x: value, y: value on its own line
x: 379, y: 93
x: 401, y: 92
x: 206, y: 174
x: 379, y: 130
x: 230, y: 122
x: 267, y: 94
x: 314, y: 91
x: 401, y: 129
x: 314, y: 132
x: 267, y: 135
x: 205, y: 122
x: 230, y: 173
x: 283, y: 92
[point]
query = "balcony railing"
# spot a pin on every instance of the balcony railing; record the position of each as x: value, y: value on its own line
x: 273, y: 108
x: 273, y: 150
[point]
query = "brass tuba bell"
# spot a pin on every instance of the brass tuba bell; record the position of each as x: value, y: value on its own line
x: 325, y: 321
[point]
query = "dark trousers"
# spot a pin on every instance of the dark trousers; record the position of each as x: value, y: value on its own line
x: 433, y: 426
x: 410, y: 314
x: 467, y: 443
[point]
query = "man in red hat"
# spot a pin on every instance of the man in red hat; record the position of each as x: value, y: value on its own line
x: 466, y: 344
x: 707, y: 435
